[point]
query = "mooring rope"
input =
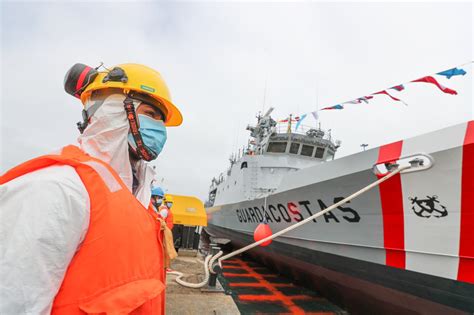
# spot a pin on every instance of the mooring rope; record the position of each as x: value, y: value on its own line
x: 209, y: 262
x: 320, y: 213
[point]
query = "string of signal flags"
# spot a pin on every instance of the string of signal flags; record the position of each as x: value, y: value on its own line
x: 429, y: 79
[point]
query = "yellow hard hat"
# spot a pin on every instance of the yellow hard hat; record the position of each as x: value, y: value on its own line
x: 168, y: 198
x: 141, y: 79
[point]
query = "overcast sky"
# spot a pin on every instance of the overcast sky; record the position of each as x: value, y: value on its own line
x: 216, y: 57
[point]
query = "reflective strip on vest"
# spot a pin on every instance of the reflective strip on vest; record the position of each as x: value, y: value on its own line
x: 105, y: 174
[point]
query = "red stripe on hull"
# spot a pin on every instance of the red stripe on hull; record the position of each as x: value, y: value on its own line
x: 466, y: 241
x: 391, y: 198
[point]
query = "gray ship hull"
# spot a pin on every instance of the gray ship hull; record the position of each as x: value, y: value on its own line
x: 407, y: 245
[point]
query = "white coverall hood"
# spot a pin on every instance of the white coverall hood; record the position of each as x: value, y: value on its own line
x: 106, y: 138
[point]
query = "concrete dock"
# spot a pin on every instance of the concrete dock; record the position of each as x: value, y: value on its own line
x: 183, y: 301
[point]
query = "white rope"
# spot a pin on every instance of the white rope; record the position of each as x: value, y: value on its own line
x: 209, y: 261
x: 294, y: 226
x: 213, y: 259
x: 189, y: 284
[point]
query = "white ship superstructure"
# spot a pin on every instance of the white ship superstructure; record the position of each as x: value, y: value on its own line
x: 274, y: 151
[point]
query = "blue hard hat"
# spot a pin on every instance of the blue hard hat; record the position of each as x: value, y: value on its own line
x: 157, y: 191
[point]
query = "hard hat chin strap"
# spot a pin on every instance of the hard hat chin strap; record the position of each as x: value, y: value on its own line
x: 82, y: 125
x: 86, y: 114
x: 142, y: 151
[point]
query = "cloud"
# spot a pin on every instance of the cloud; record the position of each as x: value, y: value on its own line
x: 216, y: 58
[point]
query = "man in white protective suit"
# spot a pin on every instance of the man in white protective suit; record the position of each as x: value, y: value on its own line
x: 76, y: 236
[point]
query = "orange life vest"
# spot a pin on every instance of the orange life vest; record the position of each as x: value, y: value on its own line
x: 118, y: 268
x: 169, y: 219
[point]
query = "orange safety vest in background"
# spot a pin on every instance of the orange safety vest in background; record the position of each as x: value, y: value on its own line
x: 169, y: 219
x: 118, y: 268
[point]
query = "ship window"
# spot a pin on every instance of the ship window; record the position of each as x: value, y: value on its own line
x: 243, y: 165
x: 307, y: 150
x: 294, y: 147
x: 319, y: 153
x: 277, y: 147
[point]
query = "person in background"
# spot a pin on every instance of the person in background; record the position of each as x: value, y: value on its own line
x: 161, y: 206
x: 157, y: 195
x: 165, y: 210
x: 165, y: 218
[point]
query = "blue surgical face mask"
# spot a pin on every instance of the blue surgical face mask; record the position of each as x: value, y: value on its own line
x: 157, y: 202
x: 153, y: 133
x: 169, y: 204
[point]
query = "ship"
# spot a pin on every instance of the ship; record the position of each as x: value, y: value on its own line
x: 405, y: 246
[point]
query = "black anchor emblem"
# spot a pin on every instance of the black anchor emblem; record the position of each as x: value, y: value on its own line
x: 428, y: 206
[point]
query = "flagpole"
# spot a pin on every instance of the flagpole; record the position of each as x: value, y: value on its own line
x: 317, y: 98
x: 264, y: 94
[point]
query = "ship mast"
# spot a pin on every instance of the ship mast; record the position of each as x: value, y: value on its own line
x: 262, y: 131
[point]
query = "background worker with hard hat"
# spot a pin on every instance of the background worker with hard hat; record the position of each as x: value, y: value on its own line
x: 169, y: 200
x: 157, y: 195
x: 167, y: 204
x: 162, y: 214
x: 158, y: 203
x: 90, y: 245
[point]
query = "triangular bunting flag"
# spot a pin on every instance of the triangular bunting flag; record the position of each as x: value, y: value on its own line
x: 452, y: 72
x: 430, y: 79
x: 338, y: 106
x: 391, y: 96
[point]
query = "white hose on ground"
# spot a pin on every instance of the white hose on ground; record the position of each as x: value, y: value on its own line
x: 208, y: 262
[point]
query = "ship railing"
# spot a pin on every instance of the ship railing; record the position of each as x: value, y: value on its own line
x: 282, y: 127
